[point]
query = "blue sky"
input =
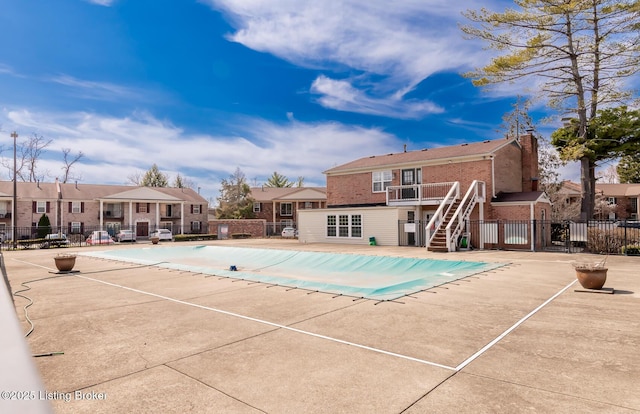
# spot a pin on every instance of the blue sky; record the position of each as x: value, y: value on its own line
x: 203, y: 87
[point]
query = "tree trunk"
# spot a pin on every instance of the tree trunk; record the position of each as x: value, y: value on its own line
x: 588, y: 181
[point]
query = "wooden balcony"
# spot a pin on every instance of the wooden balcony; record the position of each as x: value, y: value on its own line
x: 419, y: 194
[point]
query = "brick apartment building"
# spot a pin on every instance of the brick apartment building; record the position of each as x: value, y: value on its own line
x: 76, y: 208
x: 279, y: 207
x: 384, y: 196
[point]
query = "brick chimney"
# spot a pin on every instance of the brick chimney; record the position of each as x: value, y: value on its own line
x: 529, y: 145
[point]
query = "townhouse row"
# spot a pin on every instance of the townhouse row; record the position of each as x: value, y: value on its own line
x: 78, y: 208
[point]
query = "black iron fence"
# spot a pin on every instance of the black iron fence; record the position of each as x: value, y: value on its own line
x: 621, y: 237
x: 43, y: 237
x: 275, y: 229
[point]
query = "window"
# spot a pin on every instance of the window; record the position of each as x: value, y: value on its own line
x: 76, y: 207
x: 611, y: 201
x: 331, y: 226
x: 142, y: 207
x: 115, y: 209
x: 381, y: 180
x: 356, y: 225
x: 286, y: 209
x: 41, y: 207
x: 196, y: 209
x: 634, y: 205
x: 195, y: 226
x: 256, y: 207
x: 344, y: 225
x: 76, y: 227
x: 308, y: 204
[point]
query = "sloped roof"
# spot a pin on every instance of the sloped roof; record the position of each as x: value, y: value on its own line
x: 569, y: 187
x: 426, y: 155
x: 619, y: 190
x: 262, y: 194
x: 141, y: 193
x: 30, y: 191
x: 521, y: 197
x: 609, y: 190
x: 83, y: 192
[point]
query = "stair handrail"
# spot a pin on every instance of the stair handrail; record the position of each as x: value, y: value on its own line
x: 476, y: 190
x: 438, y: 218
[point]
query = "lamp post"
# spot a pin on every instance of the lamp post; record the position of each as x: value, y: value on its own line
x: 14, y: 215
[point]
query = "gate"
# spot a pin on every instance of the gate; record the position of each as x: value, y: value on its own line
x: 411, y: 233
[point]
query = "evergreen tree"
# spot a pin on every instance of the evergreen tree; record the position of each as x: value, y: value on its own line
x: 178, y: 182
x: 154, y: 178
x: 278, y: 181
x: 575, y: 54
x: 44, y: 226
x: 235, y: 201
x: 629, y: 170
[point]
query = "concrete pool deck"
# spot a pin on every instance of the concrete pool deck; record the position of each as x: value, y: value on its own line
x: 152, y: 340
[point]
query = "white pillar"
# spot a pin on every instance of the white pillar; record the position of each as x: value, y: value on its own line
x: 182, y: 217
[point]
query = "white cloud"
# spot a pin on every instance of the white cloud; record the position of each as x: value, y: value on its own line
x: 343, y: 96
x: 103, y: 91
x: 398, y: 45
x: 116, y: 148
x: 106, y: 3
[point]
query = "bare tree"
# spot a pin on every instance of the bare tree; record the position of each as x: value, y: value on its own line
x: 28, y: 153
x: 609, y: 175
x: 68, y: 163
x: 32, y: 151
x: 134, y: 178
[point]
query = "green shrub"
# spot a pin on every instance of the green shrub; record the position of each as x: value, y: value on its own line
x: 240, y: 236
x: 631, y: 250
x: 44, y: 226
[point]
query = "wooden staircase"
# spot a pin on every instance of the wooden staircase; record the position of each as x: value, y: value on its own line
x: 439, y: 241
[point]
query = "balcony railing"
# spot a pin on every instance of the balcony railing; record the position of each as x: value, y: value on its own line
x: 173, y: 215
x: 418, y: 194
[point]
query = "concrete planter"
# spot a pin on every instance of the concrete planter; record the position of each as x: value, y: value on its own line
x: 65, y: 262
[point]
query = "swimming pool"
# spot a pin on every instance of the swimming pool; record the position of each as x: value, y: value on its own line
x: 371, y: 277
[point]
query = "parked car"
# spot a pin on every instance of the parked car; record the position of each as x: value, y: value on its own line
x: 99, y: 237
x: 162, y: 234
x: 54, y: 240
x: 126, y: 235
x: 289, y: 232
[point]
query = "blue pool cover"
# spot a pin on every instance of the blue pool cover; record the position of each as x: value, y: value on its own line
x: 371, y: 277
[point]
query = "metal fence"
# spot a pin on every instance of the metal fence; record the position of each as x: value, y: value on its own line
x: 622, y: 237
x: 411, y: 233
x: 36, y: 237
x: 275, y: 229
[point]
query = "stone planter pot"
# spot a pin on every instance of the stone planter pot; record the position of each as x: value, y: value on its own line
x: 65, y: 263
x: 155, y: 240
x: 593, y: 278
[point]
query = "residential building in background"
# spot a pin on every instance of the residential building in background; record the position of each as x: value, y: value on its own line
x: 79, y: 208
x: 429, y: 197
